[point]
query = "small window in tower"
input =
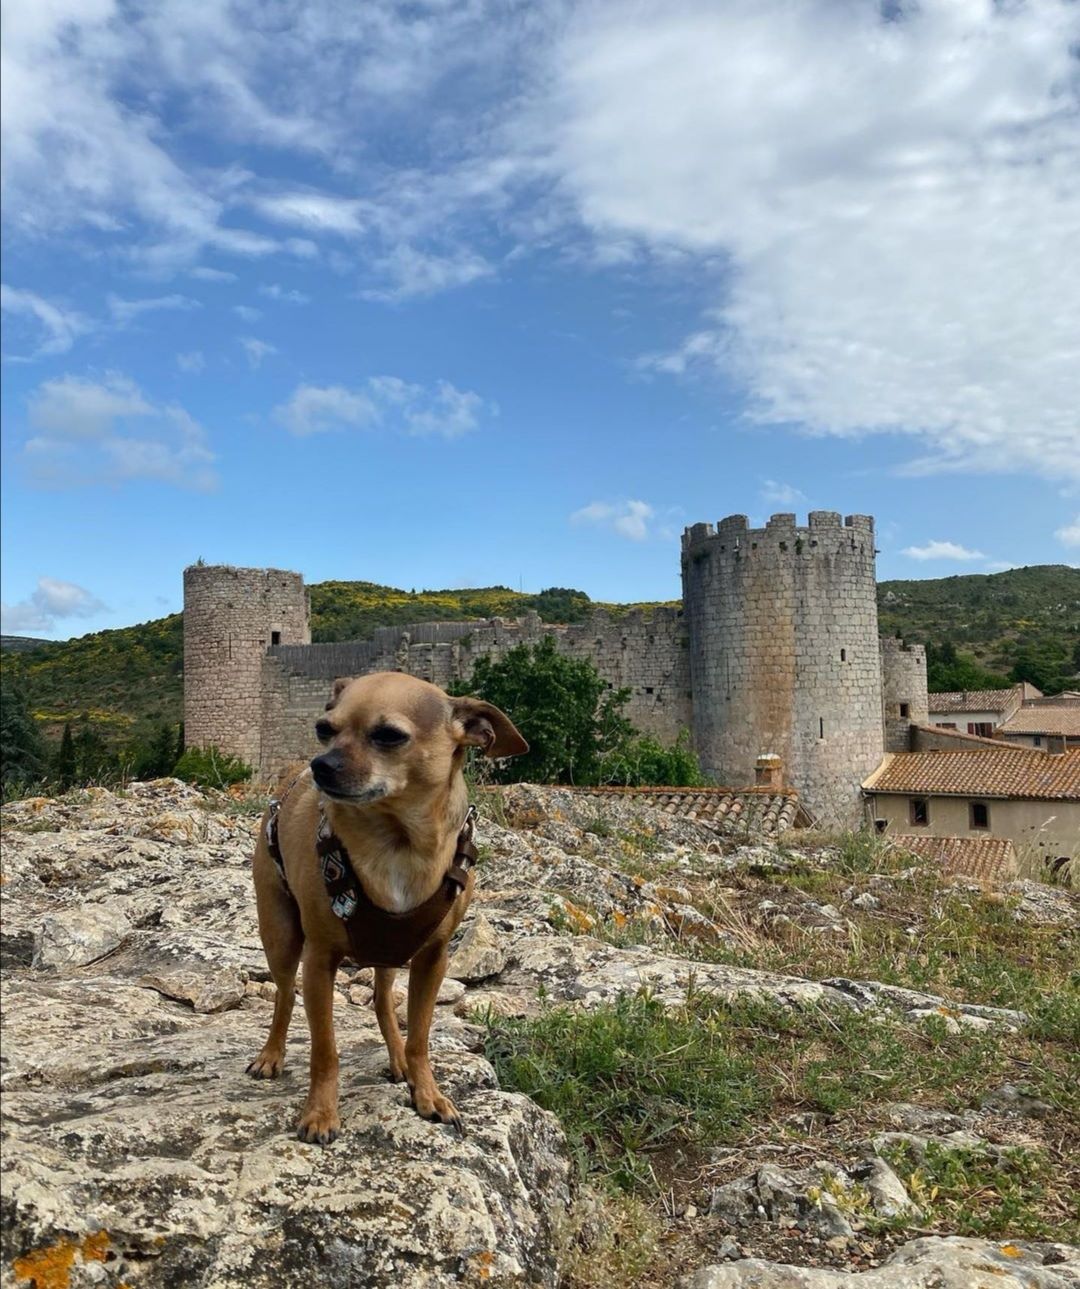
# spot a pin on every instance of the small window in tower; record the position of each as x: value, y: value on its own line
x: 275, y: 637
x: 905, y: 710
x: 843, y: 655
x: 920, y: 811
x: 980, y: 815
x: 821, y: 727
x: 648, y: 689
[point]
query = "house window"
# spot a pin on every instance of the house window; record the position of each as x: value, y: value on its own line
x: 905, y: 711
x: 919, y: 809
x: 979, y: 814
x: 984, y: 729
x: 1037, y: 740
x: 275, y: 637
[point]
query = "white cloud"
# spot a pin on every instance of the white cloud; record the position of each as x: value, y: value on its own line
x: 409, y: 273
x: 384, y: 400
x: 193, y: 362
x: 1069, y: 534
x: 50, y: 602
x: 206, y: 274
x: 256, y: 350
x: 108, y: 431
x: 941, y: 550
x: 317, y: 212
x: 246, y: 312
x: 781, y: 494
x: 314, y: 408
x: 125, y: 311
x: 630, y: 519
x: 54, y: 329
x: 883, y: 203
x: 275, y: 291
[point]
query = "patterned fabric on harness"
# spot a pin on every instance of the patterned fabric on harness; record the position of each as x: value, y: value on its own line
x: 378, y: 937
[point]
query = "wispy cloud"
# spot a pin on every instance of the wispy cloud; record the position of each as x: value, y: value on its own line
x: 207, y: 274
x: 192, y: 362
x: 275, y: 291
x: 256, y: 350
x: 53, y: 328
x: 781, y: 494
x: 408, y: 272
x: 1069, y: 534
x: 126, y: 311
x: 52, y: 601
x: 387, y: 401
x: 247, y: 312
x: 942, y: 550
x: 630, y: 519
x: 882, y: 241
x: 108, y: 431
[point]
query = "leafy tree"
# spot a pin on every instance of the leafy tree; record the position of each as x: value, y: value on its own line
x: 575, y: 726
x: 23, y: 760
x: 94, y: 761
x: 156, y: 760
x: 561, y: 706
x: 66, y: 764
x: 947, y: 670
x: 645, y: 760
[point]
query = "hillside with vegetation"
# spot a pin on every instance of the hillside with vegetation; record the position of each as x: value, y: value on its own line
x: 986, y: 630
x: 983, y: 630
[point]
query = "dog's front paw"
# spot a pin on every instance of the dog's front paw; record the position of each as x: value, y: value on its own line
x: 267, y: 1065
x: 437, y: 1108
x: 320, y: 1127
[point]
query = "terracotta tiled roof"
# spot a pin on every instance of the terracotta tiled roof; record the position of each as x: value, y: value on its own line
x: 1064, y: 719
x: 990, y: 859
x: 974, y: 700
x: 757, y: 810
x: 981, y: 772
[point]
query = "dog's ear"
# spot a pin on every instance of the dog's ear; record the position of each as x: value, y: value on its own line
x: 336, y: 690
x: 483, y: 725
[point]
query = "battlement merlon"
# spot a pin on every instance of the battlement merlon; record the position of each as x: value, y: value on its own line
x: 734, y: 533
x: 894, y: 645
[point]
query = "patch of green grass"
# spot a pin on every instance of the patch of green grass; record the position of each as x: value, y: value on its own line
x: 988, y: 1193
x: 634, y: 1078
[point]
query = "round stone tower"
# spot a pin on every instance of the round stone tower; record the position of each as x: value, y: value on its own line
x: 903, y: 691
x: 784, y: 655
x: 231, y: 615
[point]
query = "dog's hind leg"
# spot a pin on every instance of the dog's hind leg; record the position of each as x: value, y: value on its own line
x: 388, y: 1023
x: 283, y: 941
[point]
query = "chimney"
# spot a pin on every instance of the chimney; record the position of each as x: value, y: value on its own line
x: 769, y: 771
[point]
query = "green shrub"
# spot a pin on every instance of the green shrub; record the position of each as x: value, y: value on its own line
x: 207, y: 767
x: 644, y: 761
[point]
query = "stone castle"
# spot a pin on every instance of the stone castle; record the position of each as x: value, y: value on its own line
x: 776, y: 651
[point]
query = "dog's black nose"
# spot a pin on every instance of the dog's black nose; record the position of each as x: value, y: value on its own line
x: 325, y: 768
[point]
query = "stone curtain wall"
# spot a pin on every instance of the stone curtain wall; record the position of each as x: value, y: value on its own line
x: 644, y: 652
x: 230, y: 617
x: 903, y: 681
x: 784, y: 653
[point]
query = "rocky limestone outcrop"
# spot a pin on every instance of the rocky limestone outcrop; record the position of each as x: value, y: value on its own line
x: 135, y: 991
x: 951, y: 1262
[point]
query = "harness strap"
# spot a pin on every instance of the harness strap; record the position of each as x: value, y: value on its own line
x: 380, y: 937
x: 272, y: 843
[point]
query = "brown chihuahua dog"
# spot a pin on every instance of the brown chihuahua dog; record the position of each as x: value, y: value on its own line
x: 390, y: 787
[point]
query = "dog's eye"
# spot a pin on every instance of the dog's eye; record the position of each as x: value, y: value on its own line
x: 324, y: 731
x: 387, y: 736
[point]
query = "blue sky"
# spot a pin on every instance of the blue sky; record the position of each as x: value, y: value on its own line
x: 449, y: 295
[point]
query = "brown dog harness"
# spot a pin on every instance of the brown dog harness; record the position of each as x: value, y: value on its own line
x: 379, y: 937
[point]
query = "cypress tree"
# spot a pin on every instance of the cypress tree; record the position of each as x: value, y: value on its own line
x: 66, y: 765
